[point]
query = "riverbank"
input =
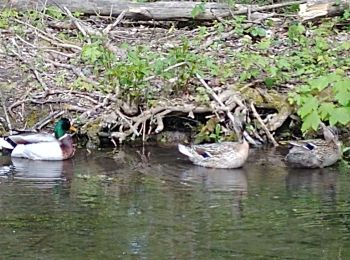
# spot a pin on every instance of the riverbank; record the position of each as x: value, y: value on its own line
x: 122, y: 80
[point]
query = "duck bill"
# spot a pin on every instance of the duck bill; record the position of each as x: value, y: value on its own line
x: 73, y: 129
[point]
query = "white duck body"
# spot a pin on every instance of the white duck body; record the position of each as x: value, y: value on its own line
x: 218, y: 155
x: 52, y: 151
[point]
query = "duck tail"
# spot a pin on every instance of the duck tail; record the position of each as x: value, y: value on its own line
x: 185, y: 150
x: 6, y: 144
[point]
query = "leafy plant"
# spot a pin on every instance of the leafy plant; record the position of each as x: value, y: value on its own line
x: 198, y: 9
x: 296, y: 32
x: 5, y: 16
x: 326, y: 98
x: 210, y: 132
x: 82, y: 85
x: 258, y: 31
x: 96, y: 54
x: 55, y: 12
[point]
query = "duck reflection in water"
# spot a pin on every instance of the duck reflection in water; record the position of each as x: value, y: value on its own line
x: 40, y: 172
x: 317, y: 181
x: 219, y: 183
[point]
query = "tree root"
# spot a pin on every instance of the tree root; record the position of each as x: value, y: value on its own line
x: 44, y: 58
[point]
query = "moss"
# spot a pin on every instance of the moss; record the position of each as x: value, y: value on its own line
x: 32, y: 118
x: 92, y: 130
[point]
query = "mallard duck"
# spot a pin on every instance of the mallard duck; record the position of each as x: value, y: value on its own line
x: 217, y: 155
x: 315, y: 153
x: 42, y: 146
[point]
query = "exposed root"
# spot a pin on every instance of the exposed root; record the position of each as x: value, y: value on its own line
x: 45, y: 58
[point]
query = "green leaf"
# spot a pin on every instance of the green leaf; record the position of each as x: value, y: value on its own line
x: 269, y: 82
x: 340, y: 115
x: 345, y: 45
x: 342, y: 90
x: 258, y: 31
x: 334, y: 77
x: 326, y: 109
x: 310, y: 105
x: 319, y: 83
x: 264, y: 44
x: 198, y: 9
x: 218, y: 129
x: 311, y: 121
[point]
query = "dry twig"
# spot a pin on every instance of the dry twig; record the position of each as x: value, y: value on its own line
x: 257, y: 116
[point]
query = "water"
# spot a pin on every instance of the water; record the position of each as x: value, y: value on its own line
x: 154, y: 204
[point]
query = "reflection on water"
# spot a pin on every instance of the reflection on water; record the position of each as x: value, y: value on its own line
x: 41, y: 170
x: 153, y: 203
x: 41, y: 174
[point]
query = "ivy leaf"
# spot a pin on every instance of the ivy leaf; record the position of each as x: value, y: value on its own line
x: 310, y: 104
x: 326, y: 109
x: 311, y: 121
x: 340, y: 115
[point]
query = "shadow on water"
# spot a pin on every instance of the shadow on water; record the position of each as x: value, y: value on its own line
x: 152, y: 203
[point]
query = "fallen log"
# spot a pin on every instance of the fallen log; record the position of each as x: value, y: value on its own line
x: 316, y: 9
x: 172, y: 10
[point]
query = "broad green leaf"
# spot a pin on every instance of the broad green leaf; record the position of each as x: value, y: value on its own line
x: 326, y: 109
x: 264, y: 44
x: 310, y: 104
x: 334, y: 77
x: 319, y: 83
x: 283, y: 63
x: 304, y: 89
x: 345, y: 45
x: 340, y: 115
x: 311, y: 121
x: 342, y: 91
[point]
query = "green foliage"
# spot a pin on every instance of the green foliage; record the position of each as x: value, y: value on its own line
x: 198, y: 9
x: 296, y: 32
x: 346, y: 14
x: 202, y: 95
x: 210, y: 132
x: 258, y: 31
x: 326, y: 98
x: 131, y: 73
x: 5, y: 16
x: 77, y: 14
x: 80, y: 84
x: 96, y: 54
x: 55, y: 12
x: 34, y: 17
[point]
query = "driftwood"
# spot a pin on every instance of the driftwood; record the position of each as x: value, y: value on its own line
x: 316, y: 9
x: 172, y: 10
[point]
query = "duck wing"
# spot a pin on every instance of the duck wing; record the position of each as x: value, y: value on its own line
x: 11, y: 141
x: 32, y: 138
x: 217, y: 149
x: 310, y: 144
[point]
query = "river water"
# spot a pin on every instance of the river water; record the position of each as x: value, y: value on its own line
x: 152, y: 203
